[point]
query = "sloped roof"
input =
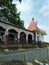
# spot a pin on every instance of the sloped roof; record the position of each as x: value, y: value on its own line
x: 33, y: 27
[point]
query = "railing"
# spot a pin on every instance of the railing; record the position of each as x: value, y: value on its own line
x: 23, y: 43
x: 16, y: 43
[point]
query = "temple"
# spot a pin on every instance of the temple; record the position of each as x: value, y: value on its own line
x: 38, y: 33
x: 11, y: 34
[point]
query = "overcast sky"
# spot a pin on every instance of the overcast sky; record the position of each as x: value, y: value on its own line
x: 37, y: 9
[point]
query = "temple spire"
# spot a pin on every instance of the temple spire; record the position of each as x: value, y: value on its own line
x: 33, y: 25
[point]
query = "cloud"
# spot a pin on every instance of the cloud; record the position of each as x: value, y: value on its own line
x: 25, y: 6
x: 45, y: 9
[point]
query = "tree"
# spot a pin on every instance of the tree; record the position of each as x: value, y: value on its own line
x: 9, y: 12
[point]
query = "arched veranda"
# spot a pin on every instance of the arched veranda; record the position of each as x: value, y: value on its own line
x: 22, y: 38
x: 2, y: 32
x: 12, y: 36
x: 30, y: 39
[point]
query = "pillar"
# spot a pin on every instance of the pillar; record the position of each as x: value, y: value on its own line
x: 32, y: 36
x: 26, y: 38
x: 40, y: 36
x: 5, y: 36
x: 18, y: 37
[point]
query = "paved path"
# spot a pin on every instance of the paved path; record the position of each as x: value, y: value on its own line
x: 8, y: 56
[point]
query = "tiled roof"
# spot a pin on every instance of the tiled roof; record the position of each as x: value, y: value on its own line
x: 32, y: 26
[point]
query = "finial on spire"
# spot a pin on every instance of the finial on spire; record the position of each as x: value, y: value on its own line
x: 32, y: 18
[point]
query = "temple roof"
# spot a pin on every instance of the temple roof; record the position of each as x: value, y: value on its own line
x: 33, y: 27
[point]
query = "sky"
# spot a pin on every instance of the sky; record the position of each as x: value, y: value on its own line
x: 37, y: 9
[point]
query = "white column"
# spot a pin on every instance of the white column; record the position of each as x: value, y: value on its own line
x: 27, y: 38
x: 6, y: 32
x: 40, y: 37
x: 5, y: 36
x: 36, y: 37
x: 32, y: 36
x: 18, y: 37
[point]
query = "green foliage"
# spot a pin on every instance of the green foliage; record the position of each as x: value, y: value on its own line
x: 9, y: 12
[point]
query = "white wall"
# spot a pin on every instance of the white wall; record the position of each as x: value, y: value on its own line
x: 19, y: 30
x: 41, y: 37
